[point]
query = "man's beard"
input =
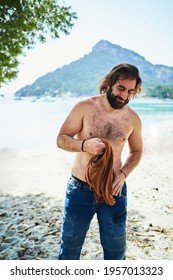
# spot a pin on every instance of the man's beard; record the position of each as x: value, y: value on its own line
x: 116, y: 102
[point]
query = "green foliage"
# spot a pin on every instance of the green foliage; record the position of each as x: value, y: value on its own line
x: 23, y: 23
x: 161, y: 91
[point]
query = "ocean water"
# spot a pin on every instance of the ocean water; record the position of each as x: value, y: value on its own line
x: 153, y: 110
x: 25, y: 124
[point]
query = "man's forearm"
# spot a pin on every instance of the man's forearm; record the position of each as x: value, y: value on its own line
x: 131, y: 162
x: 68, y: 143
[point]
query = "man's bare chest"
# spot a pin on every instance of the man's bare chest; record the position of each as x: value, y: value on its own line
x: 117, y: 128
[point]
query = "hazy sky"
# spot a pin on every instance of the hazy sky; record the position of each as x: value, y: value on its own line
x: 144, y: 26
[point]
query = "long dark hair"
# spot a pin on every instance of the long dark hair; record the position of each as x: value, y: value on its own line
x: 121, y: 71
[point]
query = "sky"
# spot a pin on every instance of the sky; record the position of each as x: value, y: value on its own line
x: 143, y: 26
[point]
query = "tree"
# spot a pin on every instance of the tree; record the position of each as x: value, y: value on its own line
x: 161, y: 91
x: 23, y: 23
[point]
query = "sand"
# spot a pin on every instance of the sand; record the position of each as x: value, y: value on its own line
x: 32, y: 188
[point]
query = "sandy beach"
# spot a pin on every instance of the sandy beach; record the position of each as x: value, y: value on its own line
x: 32, y: 189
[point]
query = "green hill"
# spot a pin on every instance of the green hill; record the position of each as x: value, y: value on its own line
x: 81, y: 77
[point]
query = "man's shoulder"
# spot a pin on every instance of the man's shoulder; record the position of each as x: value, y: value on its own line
x: 132, y: 111
x: 84, y: 106
x: 133, y: 114
x: 88, y: 101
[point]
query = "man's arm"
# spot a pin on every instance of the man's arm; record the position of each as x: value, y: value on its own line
x: 133, y: 159
x: 135, y: 149
x: 71, y: 126
x: 74, y: 124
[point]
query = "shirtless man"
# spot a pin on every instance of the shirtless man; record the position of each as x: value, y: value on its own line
x: 101, y: 117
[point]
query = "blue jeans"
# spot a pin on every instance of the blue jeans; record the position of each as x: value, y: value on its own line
x: 79, y: 209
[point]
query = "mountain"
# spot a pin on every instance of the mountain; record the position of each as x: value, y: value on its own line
x: 81, y: 77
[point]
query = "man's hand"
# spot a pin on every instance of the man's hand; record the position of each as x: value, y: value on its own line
x: 94, y: 146
x: 118, y: 182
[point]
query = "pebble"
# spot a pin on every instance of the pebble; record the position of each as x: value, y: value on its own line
x: 146, y: 228
x: 3, y: 214
x: 10, y: 240
x: 4, y: 246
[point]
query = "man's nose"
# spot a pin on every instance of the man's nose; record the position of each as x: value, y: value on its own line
x: 124, y: 94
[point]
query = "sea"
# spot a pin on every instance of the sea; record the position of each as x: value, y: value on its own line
x: 31, y: 123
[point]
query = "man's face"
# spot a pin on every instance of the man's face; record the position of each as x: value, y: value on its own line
x: 121, y: 93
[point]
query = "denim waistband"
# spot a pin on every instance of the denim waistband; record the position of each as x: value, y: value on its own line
x: 76, y: 180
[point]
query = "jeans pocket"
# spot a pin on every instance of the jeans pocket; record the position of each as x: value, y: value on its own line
x: 71, y: 187
x: 124, y: 191
x: 122, y: 200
